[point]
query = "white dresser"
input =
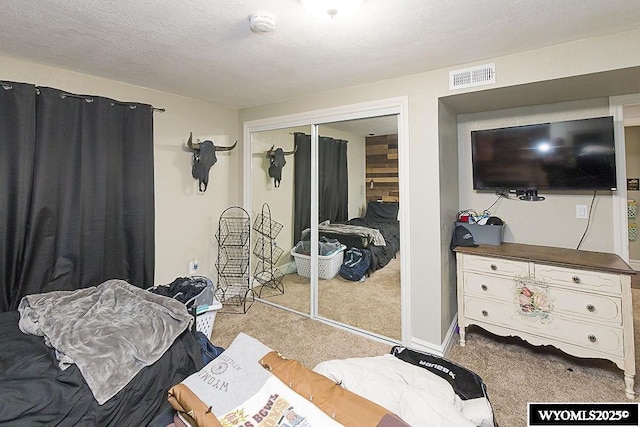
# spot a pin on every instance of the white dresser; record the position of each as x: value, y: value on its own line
x: 577, y: 301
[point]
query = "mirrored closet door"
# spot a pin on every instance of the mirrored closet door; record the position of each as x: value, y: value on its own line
x: 333, y: 194
x: 358, y: 202
x: 276, y: 211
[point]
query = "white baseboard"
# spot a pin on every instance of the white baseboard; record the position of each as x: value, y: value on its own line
x: 442, y: 349
x: 635, y: 264
x: 450, y: 337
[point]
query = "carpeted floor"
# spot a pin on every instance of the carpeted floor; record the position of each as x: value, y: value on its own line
x: 359, y: 304
x: 515, y: 372
x: 294, y: 336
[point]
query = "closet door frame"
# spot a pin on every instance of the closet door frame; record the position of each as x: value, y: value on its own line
x: 391, y: 106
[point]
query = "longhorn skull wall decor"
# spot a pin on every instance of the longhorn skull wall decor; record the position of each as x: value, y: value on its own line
x: 277, y: 162
x: 204, y: 156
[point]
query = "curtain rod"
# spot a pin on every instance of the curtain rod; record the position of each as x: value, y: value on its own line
x: 320, y: 136
x: 89, y: 98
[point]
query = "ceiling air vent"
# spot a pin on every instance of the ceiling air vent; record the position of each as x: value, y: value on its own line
x: 474, y: 76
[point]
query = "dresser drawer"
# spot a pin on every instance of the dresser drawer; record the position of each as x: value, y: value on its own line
x: 594, y: 337
x: 590, y: 307
x: 579, y: 279
x: 504, y: 267
x: 487, y: 286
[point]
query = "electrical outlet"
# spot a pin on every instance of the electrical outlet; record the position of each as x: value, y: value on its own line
x: 193, y: 266
x: 581, y: 212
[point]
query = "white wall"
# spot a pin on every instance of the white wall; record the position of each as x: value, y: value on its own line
x: 449, y: 207
x: 432, y: 284
x: 185, y: 220
x: 551, y: 222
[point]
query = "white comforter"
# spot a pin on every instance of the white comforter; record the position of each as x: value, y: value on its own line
x: 419, y: 397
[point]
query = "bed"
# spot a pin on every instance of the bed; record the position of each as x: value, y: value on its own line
x: 36, y: 391
x: 246, y: 384
x: 378, y: 231
x: 249, y: 384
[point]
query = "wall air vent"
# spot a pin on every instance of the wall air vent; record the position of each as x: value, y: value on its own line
x: 474, y: 76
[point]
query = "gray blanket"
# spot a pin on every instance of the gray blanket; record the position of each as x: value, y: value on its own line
x: 110, y: 331
x: 373, y: 235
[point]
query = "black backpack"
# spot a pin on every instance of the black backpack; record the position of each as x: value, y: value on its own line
x: 355, y: 264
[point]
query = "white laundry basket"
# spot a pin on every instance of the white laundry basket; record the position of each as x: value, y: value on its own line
x: 328, y: 266
x: 205, y: 316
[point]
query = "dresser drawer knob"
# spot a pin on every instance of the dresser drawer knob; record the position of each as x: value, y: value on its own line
x: 494, y: 267
x: 485, y: 313
x: 592, y: 338
x: 484, y: 287
x: 591, y: 308
x: 576, y: 279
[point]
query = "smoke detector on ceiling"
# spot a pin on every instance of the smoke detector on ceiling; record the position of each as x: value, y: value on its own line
x: 262, y: 22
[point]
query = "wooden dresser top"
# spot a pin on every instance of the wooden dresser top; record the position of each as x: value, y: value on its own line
x: 571, y: 258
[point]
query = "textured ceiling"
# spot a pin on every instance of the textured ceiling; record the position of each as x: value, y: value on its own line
x: 204, y: 48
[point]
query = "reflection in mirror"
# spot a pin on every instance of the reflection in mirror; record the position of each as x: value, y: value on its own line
x: 358, y: 191
x: 273, y: 211
x: 365, y: 294
x: 358, y: 210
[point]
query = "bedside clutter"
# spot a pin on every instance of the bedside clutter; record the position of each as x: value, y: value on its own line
x: 487, y: 234
x: 485, y: 229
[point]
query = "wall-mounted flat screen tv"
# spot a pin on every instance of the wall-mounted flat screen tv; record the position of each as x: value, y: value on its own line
x: 569, y: 155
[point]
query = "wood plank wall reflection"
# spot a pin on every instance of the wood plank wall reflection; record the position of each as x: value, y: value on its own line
x: 382, y: 168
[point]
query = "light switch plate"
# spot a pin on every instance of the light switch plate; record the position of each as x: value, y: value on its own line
x: 581, y: 212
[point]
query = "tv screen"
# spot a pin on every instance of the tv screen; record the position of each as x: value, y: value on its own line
x: 569, y: 155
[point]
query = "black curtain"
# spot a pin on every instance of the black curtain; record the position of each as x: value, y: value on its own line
x: 76, y: 190
x: 302, y: 184
x: 333, y: 183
